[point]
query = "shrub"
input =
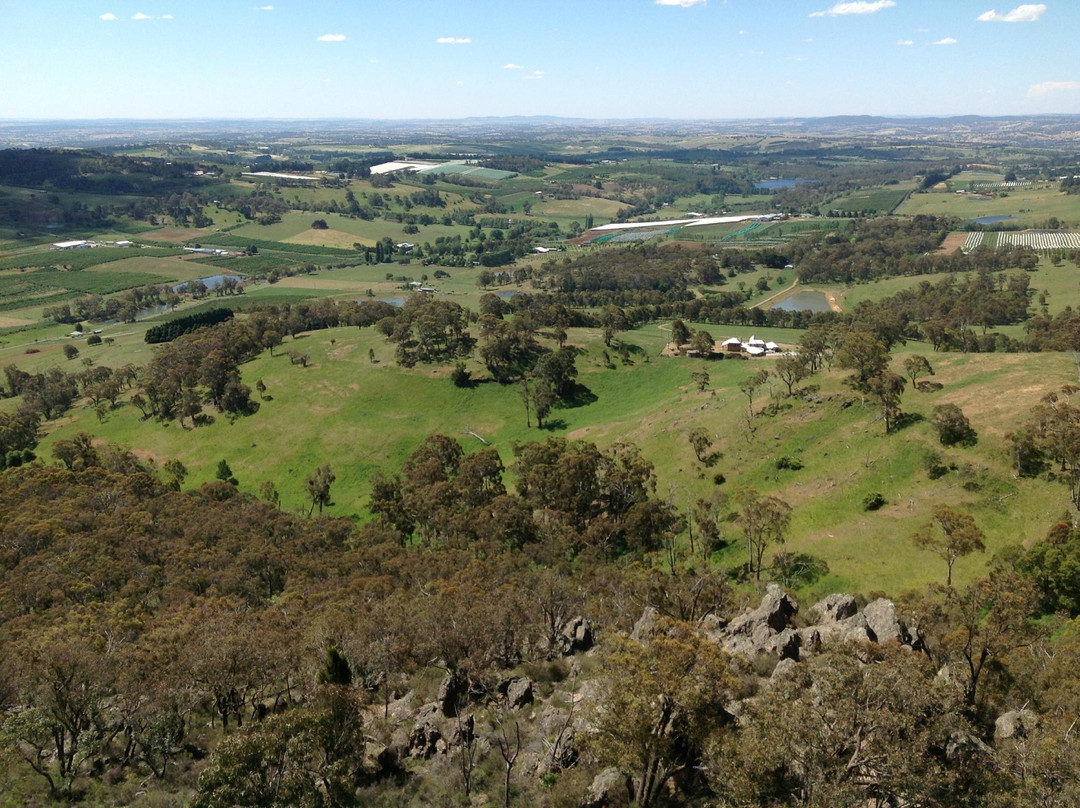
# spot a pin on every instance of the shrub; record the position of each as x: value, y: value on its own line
x: 872, y: 502
x: 788, y: 462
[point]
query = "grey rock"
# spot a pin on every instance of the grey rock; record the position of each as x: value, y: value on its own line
x: 765, y: 629
x: 884, y: 624
x: 576, y: 636
x: 645, y: 625
x: 452, y: 690
x: 519, y: 692
x: 425, y: 738
x: 786, y: 644
x: 1015, y: 724
x: 783, y: 670
x: 835, y: 608
x: 609, y: 789
x: 965, y: 744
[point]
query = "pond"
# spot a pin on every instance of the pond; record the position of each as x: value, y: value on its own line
x: 393, y: 301
x: 211, y: 282
x: 992, y: 219
x: 505, y: 295
x: 778, y: 184
x: 806, y: 300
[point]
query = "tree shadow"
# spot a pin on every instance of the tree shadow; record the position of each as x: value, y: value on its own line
x: 711, y: 460
x: 904, y: 420
x: 580, y: 396
x: 554, y: 425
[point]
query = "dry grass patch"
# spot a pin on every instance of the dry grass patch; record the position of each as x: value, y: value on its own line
x: 952, y: 243
x: 178, y: 234
x: 328, y: 238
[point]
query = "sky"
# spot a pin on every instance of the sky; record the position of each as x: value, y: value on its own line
x: 599, y: 59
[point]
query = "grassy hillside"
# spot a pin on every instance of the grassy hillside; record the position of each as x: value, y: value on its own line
x: 361, y: 417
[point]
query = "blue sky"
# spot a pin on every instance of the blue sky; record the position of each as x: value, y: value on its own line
x: 583, y: 58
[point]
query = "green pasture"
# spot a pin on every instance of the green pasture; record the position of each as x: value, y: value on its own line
x: 964, y: 180
x: 362, y: 417
x: 78, y: 259
x: 1028, y: 206
x: 295, y: 228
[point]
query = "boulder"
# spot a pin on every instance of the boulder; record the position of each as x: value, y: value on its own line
x: 1015, y: 724
x: 965, y: 744
x: 784, y: 669
x: 835, y: 608
x: 884, y: 624
x: 576, y: 636
x: 645, y: 625
x: 765, y: 629
x: 609, y: 789
x: 519, y: 692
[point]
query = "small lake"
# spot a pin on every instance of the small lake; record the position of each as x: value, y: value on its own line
x: 211, y: 282
x: 778, y: 184
x: 805, y: 301
x: 992, y: 219
x: 505, y: 295
x: 393, y: 301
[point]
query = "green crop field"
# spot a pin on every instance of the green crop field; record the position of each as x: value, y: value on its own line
x: 878, y: 200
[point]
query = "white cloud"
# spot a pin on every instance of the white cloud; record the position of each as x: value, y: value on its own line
x: 536, y: 75
x: 757, y: 53
x: 742, y: 33
x: 1029, y: 12
x: 108, y: 17
x: 1051, y: 87
x: 797, y: 58
x: 453, y: 40
x: 683, y: 3
x: 166, y: 16
x: 140, y: 16
x: 856, y: 7
x: 511, y: 66
x: 331, y: 38
x: 264, y: 8
x: 946, y: 41
x: 905, y: 42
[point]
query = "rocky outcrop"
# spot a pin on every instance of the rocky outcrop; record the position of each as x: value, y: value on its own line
x: 770, y: 628
x: 425, y: 738
x: 764, y: 630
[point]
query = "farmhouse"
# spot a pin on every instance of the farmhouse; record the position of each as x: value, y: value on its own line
x: 71, y: 245
x: 731, y: 345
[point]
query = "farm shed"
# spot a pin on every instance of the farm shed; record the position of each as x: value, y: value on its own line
x: 71, y: 245
x: 731, y: 345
